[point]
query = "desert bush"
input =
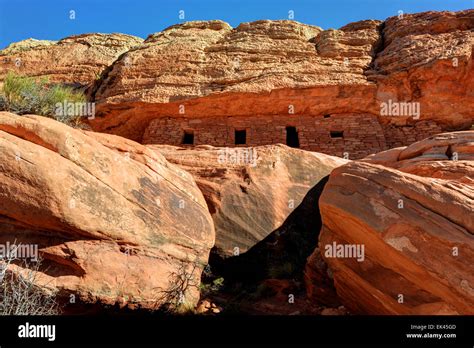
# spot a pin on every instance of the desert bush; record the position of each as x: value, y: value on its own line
x: 19, y: 294
x: 172, y: 299
x: 27, y: 95
x: 213, y: 287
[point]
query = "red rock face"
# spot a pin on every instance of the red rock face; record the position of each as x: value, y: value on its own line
x: 427, y: 58
x: 112, y: 219
x: 261, y: 77
x: 415, y: 223
x: 265, y: 76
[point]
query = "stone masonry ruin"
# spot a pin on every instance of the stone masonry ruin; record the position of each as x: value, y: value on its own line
x: 344, y: 135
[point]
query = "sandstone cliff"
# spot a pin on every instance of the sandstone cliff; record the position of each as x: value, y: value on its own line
x: 76, y: 60
x: 265, y: 76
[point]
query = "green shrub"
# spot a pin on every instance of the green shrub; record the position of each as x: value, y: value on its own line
x: 282, y: 271
x: 27, y: 95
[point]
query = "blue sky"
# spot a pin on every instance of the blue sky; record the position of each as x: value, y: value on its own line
x: 49, y: 19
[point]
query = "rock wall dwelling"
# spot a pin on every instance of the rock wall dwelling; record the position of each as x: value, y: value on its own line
x: 345, y: 135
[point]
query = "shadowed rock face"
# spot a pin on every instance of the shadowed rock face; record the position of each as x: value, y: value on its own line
x: 112, y: 219
x: 416, y: 225
x: 250, y: 192
x: 76, y: 60
x: 283, y: 253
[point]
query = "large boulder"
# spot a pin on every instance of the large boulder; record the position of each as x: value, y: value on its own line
x: 251, y: 191
x: 113, y: 220
x: 400, y: 241
x: 76, y: 60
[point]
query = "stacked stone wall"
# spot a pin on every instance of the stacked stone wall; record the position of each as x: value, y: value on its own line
x: 352, y: 136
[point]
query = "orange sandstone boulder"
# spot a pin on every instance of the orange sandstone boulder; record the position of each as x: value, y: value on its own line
x: 113, y: 220
x: 400, y: 241
x: 250, y: 191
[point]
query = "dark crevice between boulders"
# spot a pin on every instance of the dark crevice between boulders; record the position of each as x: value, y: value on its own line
x: 274, y: 267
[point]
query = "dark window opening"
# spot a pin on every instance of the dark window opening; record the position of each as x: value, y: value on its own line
x: 240, y: 137
x: 292, y: 139
x: 337, y: 134
x: 327, y: 116
x: 188, y: 138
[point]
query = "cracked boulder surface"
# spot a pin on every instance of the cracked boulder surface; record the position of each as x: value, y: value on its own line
x: 76, y: 60
x: 412, y: 210
x: 112, y: 219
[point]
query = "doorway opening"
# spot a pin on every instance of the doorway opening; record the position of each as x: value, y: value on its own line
x: 292, y: 139
x: 240, y: 137
x: 188, y: 137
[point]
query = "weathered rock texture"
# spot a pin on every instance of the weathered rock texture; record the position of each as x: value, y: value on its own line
x: 77, y: 60
x: 416, y: 223
x: 433, y: 151
x: 113, y: 219
x: 265, y: 76
x: 428, y: 58
x: 250, y: 192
